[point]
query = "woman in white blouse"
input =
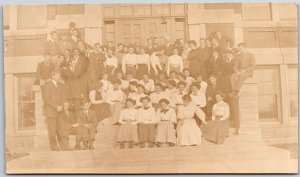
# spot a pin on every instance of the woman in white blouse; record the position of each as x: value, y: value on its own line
x: 175, y: 63
x: 156, y: 67
x: 198, y: 98
x: 111, y: 63
x: 143, y: 64
x: 166, y: 118
x: 218, y: 129
x: 128, y: 128
x: 188, y: 133
x: 129, y: 62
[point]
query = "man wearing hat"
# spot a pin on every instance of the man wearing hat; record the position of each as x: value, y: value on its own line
x: 129, y: 62
x: 53, y: 100
x: 215, y: 64
x: 52, y: 44
x: 87, y: 128
x: 243, y: 69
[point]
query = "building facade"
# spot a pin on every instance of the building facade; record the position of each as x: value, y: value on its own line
x: 269, y: 29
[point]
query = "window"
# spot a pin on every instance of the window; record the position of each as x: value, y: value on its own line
x: 6, y: 17
x: 29, y: 45
x: 125, y: 10
x: 68, y: 9
x: 257, y: 12
x: 26, y: 102
x: 109, y: 30
x: 180, y: 28
x: 237, y: 7
x: 287, y: 11
x: 293, y: 91
x: 271, y: 37
x: 31, y: 16
x: 267, y: 93
x: 288, y: 37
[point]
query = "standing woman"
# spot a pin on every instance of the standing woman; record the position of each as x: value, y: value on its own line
x: 188, y: 133
x: 156, y: 67
x: 129, y: 63
x: 143, y: 64
x: 165, y: 127
x: 111, y: 64
x: 218, y: 129
x: 99, y: 101
x: 185, y: 53
x: 175, y: 63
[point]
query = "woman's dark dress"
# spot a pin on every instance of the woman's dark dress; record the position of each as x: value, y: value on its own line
x: 102, y: 110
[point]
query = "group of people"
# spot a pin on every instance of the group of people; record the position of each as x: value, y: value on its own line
x: 164, y: 93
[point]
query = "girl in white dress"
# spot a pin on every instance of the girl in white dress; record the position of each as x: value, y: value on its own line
x: 188, y: 133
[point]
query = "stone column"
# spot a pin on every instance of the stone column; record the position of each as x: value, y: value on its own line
x: 41, y: 140
x: 248, y: 110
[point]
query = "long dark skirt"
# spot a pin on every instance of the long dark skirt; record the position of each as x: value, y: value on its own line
x: 141, y: 71
x: 102, y: 111
x: 131, y: 70
x: 146, y: 133
x: 216, y: 131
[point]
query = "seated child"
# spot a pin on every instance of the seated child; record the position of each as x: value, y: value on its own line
x: 87, y: 128
x: 128, y: 128
x: 165, y: 127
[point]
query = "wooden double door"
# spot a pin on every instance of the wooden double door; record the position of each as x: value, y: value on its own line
x: 137, y: 31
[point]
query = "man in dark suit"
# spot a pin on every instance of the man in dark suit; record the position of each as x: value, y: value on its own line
x: 66, y: 119
x: 87, y: 127
x: 215, y: 65
x: 76, y: 79
x: 168, y: 47
x: 210, y: 94
x: 228, y: 64
x: 203, y: 57
x: 243, y: 68
x: 52, y: 44
x: 43, y: 72
x: 55, y: 94
x: 224, y: 41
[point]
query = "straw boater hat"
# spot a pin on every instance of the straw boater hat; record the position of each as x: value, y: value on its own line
x: 140, y: 86
x: 145, y: 98
x: 131, y: 100
x: 164, y: 101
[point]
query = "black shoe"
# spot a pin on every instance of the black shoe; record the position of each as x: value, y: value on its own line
x: 122, y: 145
x: 142, y: 145
x: 78, y: 147
x: 131, y: 145
x: 171, y: 144
x: 158, y: 145
x: 151, y: 144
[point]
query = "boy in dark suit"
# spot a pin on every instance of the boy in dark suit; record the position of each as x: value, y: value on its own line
x: 87, y: 127
x: 55, y: 95
x: 66, y: 119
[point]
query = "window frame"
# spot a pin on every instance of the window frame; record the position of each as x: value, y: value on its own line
x: 18, y: 128
x: 32, y: 28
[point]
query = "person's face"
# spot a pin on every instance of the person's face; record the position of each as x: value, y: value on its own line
x: 186, y: 73
x: 181, y: 42
x: 175, y: 52
x: 86, y: 106
x: 181, y: 88
x: 186, y: 102
x: 120, y: 47
x: 149, y: 42
x: 66, y: 106
x: 219, y: 34
x: 145, y: 78
x: 214, y: 42
x: 202, y: 43
x: 67, y: 54
x: 156, y: 41
x: 212, y: 80
x: 129, y: 104
x: 130, y: 50
x: 186, y: 45
x: 208, y: 43
x: 109, y: 44
x: 194, y: 89
x: 180, y: 78
x: 142, y: 51
x: 145, y: 103
x: 109, y: 52
x: 54, y: 36
x: 56, y: 77
x: 54, y: 58
x: 140, y: 90
x: 241, y: 48
x: 164, y: 105
x: 76, y: 55
x: 219, y: 98
x: 125, y: 49
x: 80, y: 45
x: 199, y: 78
x: 116, y: 85
x: 192, y: 46
x: 170, y: 86
x: 157, y: 89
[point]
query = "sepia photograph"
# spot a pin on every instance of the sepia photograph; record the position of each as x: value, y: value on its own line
x: 151, y: 88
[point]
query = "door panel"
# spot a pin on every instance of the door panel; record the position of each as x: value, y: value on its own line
x: 130, y: 31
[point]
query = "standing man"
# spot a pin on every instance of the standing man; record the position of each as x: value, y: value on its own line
x: 43, y: 72
x: 243, y: 68
x: 52, y: 44
x: 54, y: 98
